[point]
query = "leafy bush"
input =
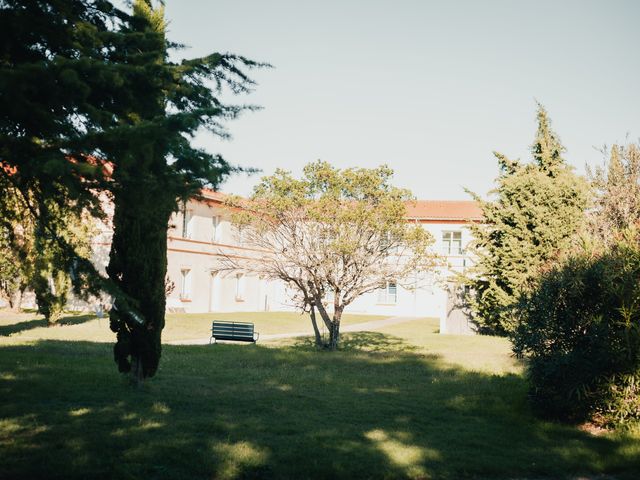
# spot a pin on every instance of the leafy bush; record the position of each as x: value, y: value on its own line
x: 580, y: 331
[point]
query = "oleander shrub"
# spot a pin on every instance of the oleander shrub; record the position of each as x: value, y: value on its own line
x: 579, y: 330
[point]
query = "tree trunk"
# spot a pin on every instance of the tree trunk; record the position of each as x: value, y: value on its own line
x: 322, y: 311
x: 316, y: 331
x: 334, y: 338
x: 15, y: 300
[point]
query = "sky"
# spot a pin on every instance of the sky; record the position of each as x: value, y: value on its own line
x: 430, y: 88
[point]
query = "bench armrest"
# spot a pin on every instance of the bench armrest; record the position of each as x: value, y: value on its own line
x: 256, y: 336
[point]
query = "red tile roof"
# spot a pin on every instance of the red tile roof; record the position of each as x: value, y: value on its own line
x: 213, y: 195
x: 107, y: 166
x: 461, y: 210
x: 449, y: 210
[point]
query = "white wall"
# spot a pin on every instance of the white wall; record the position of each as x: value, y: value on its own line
x: 216, y: 292
x: 200, y: 255
x: 430, y: 298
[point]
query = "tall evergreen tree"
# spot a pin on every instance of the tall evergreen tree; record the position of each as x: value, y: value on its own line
x: 83, y: 83
x: 56, y: 84
x: 537, y: 208
x: 15, y: 244
x: 156, y: 166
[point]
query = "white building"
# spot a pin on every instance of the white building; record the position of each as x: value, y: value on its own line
x: 202, y: 230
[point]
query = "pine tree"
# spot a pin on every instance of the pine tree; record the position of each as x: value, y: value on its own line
x: 83, y: 83
x: 537, y: 208
x: 53, y: 67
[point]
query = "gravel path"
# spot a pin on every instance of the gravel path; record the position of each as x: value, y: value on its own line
x: 356, y: 327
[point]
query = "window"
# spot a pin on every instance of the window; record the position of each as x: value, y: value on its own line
x: 388, y: 293
x: 240, y: 287
x: 215, y: 223
x: 185, y: 284
x: 452, y: 243
x: 187, y: 223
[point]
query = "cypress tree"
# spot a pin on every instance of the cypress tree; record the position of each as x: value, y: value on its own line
x: 546, y: 149
x: 155, y: 168
x: 143, y: 197
x: 536, y: 210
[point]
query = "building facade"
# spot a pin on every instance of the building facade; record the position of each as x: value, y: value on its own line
x: 202, y: 232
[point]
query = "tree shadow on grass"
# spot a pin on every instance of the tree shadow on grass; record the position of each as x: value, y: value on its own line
x: 7, y: 330
x: 359, y: 341
x: 234, y: 412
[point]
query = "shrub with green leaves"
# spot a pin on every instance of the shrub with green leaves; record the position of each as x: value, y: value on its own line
x: 580, y: 331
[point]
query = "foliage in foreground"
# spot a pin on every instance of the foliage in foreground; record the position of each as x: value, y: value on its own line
x: 538, y: 208
x: 91, y: 105
x: 31, y: 256
x: 386, y: 405
x: 580, y: 331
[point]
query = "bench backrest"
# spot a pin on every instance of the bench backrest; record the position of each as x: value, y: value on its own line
x: 232, y: 330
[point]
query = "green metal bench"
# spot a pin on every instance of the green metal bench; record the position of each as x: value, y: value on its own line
x: 237, y: 331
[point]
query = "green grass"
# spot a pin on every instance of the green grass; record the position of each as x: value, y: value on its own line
x: 28, y: 327
x: 182, y: 326
x: 402, y: 402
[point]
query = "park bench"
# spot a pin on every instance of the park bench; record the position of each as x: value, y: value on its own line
x: 238, y: 331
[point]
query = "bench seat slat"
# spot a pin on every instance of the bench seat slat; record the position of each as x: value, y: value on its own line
x: 233, y: 337
x: 234, y: 329
x: 241, y: 331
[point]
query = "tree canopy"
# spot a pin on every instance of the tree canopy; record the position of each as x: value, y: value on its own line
x: 85, y: 85
x: 617, y: 192
x: 331, y: 236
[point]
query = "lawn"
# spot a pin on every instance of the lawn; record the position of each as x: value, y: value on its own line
x: 401, y: 402
x: 179, y: 326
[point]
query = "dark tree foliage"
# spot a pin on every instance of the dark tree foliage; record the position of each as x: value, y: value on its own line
x: 537, y: 208
x: 84, y: 85
x: 51, y: 65
x: 580, y: 332
x: 165, y: 103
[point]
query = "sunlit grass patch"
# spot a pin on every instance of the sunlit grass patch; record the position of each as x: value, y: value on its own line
x: 399, y: 403
x: 236, y: 458
x: 29, y: 327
